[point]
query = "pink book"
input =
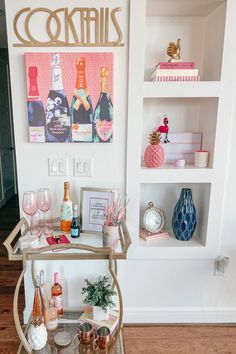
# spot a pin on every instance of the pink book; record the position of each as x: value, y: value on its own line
x: 56, y: 241
x: 177, y: 65
x: 152, y: 236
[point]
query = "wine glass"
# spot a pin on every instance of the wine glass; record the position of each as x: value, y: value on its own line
x: 44, y: 204
x: 30, y: 207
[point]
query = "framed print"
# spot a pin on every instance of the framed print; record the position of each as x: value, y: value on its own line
x: 94, y: 202
x: 70, y: 97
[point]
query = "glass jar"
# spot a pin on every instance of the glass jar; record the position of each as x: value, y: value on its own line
x: 51, y: 318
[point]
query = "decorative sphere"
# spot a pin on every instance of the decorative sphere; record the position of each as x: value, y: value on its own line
x: 37, y: 336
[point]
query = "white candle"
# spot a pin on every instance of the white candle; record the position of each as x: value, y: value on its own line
x: 201, y: 158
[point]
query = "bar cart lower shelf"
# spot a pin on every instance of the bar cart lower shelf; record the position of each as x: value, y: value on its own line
x: 72, y: 328
x: 88, y: 247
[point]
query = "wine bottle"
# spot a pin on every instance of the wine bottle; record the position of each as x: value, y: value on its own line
x: 81, y: 106
x: 57, y: 109
x: 57, y: 295
x: 66, y: 209
x: 37, y: 333
x: 38, y: 305
x: 75, y: 226
x: 36, y: 113
x: 103, y: 113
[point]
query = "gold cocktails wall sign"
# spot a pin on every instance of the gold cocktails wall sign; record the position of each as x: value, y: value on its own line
x: 82, y: 27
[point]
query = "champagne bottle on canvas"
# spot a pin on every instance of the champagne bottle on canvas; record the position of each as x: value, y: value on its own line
x: 103, y: 114
x: 66, y: 209
x: 81, y: 106
x: 36, y: 113
x: 57, y: 109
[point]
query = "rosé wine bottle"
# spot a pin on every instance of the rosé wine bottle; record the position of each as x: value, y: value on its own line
x: 57, y: 295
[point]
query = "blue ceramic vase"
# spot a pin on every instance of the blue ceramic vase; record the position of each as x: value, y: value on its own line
x: 184, y: 217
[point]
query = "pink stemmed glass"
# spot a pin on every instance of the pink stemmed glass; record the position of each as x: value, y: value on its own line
x: 44, y: 204
x: 30, y: 207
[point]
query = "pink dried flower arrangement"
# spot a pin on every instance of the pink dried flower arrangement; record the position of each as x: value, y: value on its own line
x: 115, y: 212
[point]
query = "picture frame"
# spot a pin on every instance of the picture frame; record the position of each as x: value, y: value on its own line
x: 94, y: 202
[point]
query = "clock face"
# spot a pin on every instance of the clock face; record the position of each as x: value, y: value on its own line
x: 153, y: 220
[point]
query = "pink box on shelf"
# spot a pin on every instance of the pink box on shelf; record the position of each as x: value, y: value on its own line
x: 148, y: 236
x: 182, y: 146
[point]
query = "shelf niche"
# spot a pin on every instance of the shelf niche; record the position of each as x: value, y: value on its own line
x: 194, y: 22
x: 165, y: 197
x: 185, y: 115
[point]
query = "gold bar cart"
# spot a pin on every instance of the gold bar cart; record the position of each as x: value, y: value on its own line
x: 79, y: 249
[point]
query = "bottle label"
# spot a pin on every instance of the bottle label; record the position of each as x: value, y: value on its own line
x: 66, y: 211
x: 75, y: 232
x: 57, y: 117
x: 58, y: 302
x: 52, y: 324
x: 82, y: 132
x: 37, y: 134
x: 104, y: 129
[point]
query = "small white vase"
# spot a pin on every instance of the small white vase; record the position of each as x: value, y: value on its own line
x: 110, y: 236
x: 99, y: 314
x: 37, y: 336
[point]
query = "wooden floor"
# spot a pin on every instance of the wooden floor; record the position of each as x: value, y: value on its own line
x: 9, y: 273
x: 180, y: 339
x: 167, y: 339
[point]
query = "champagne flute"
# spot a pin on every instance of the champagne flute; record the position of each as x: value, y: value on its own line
x: 30, y: 207
x: 44, y: 204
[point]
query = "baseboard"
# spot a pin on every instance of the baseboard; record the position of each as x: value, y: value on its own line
x: 173, y: 315
x: 180, y: 315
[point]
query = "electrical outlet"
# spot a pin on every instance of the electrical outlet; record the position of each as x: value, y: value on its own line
x: 58, y: 166
x: 83, y: 167
x: 221, y: 265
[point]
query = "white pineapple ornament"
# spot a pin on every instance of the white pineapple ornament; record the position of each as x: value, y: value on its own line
x: 37, y: 336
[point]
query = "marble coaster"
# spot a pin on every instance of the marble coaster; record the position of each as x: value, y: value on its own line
x: 62, y: 339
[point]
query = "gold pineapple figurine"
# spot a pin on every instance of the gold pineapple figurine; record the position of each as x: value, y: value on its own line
x: 173, y: 51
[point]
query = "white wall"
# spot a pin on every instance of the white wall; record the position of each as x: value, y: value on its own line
x: 154, y: 291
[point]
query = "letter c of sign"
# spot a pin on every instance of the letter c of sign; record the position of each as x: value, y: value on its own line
x: 26, y: 9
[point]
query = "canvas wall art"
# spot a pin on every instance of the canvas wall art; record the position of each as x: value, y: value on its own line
x: 70, y: 97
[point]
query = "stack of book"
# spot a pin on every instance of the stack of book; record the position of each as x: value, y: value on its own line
x: 112, y: 323
x: 182, y: 145
x: 28, y: 241
x: 175, y: 71
x: 148, y: 236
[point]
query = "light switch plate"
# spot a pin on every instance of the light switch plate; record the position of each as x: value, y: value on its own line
x: 83, y: 167
x: 58, y: 166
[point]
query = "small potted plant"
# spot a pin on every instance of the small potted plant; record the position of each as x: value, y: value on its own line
x: 99, y: 295
x: 114, y: 214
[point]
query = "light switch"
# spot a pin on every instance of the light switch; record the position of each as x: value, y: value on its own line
x: 83, y: 167
x: 58, y: 166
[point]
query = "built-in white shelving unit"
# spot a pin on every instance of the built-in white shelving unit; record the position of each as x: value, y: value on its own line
x: 206, y: 29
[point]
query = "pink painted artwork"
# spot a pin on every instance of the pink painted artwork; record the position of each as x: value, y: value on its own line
x: 70, y: 97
